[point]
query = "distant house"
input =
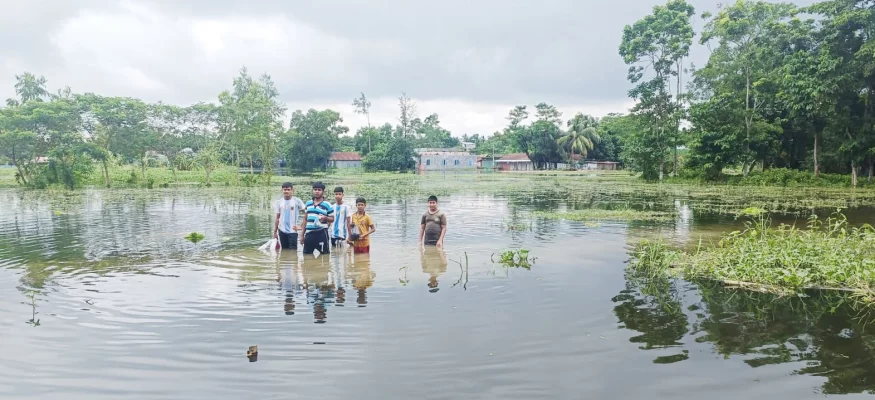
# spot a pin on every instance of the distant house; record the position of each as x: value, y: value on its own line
x: 469, y: 145
x: 345, y: 159
x: 430, y: 159
x: 515, y: 162
x: 602, y: 165
x: 486, y: 162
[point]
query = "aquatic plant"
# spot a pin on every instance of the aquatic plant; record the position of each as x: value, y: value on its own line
x: 825, y: 255
x: 594, y: 214
x: 514, y: 259
x: 194, y: 237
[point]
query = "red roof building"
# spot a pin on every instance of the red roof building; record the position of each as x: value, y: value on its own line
x: 345, y: 159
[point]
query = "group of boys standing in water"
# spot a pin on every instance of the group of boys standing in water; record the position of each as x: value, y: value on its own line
x: 327, y: 225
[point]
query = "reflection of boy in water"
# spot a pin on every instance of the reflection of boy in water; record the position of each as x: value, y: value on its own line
x: 362, y: 277
x: 434, y: 263
x: 315, y: 273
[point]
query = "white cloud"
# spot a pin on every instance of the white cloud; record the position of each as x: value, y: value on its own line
x: 469, y: 62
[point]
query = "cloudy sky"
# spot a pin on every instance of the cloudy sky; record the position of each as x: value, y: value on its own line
x: 469, y: 61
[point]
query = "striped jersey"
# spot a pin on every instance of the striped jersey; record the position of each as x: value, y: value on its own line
x: 288, y: 212
x: 338, y: 228
x: 314, y: 211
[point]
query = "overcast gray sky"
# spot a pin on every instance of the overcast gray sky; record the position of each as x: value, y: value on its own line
x: 469, y: 61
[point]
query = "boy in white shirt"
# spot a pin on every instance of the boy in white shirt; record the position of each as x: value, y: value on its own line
x: 287, y: 209
x: 339, y: 229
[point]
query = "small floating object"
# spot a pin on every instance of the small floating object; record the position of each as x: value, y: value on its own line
x: 195, y: 237
x: 252, y: 353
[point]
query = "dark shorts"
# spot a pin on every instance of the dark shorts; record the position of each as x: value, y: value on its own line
x: 430, y: 241
x: 335, y: 241
x: 288, y: 240
x: 317, y: 240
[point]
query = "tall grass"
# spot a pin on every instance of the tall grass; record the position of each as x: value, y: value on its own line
x: 825, y: 254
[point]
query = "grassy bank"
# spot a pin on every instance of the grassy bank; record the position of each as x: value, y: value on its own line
x: 775, y: 177
x: 825, y: 255
x: 590, y: 192
x: 7, y: 177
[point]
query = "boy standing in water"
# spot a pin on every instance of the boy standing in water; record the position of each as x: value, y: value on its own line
x: 285, y: 228
x: 339, y: 229
x: 365, y: 225
x: 433, y: 226
x: 315, y: 226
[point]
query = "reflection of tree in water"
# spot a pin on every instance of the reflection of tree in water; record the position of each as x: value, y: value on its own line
x: 434, y: 263
x: 824, y: 331
x: 654, y: 308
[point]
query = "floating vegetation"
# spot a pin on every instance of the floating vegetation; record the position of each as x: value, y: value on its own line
x: 518, y: 226
x: 595, y: 214
x: 194, y: 237
x: 514, y: 259
x: 824, y: 256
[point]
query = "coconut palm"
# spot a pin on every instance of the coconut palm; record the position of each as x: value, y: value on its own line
x: 581, y: 136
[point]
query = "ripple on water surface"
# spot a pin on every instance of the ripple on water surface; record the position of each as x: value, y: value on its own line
x: 101, y: 298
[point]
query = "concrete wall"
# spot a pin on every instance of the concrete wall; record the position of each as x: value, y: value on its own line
x: 515, y: 166
x: 449, y: 160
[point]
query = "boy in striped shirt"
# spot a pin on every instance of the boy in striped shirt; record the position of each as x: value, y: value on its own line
x: 315, y: 227
x: 285, y: 228
x: 339, y: 229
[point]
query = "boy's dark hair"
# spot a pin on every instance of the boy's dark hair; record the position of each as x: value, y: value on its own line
x: 432, y: 198
x: 360, y: 200
x: 338, y: 189
x: 287, y: 185
x: 318, y: 185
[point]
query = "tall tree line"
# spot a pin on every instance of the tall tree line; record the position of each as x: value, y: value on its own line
x: 784, y: 87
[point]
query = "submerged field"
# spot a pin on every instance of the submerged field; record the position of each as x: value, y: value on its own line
x: 542, y: 255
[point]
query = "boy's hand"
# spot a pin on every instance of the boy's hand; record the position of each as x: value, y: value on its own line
x: 295, y: 228
x: 302, y: 239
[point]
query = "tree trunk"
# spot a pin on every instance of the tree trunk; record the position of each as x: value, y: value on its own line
x: 17, y: 163
x: 106, y: 173
x: 143, y: 167
x: 675, y: 171
x: 661, y: 168
x: 251, y: 166
x: 816, y: 165
x: 871, y: 169
x: 854, y: 173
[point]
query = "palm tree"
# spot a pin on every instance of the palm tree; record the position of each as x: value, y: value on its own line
x: 30, y: 87
x: 582, y: 134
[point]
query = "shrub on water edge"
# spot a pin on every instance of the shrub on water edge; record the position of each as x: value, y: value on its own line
x: 825, y: 254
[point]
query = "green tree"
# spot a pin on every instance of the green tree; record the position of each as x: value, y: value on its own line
x: 407, y: 115
x: 312, y: 137
x: 394, y: 155
x: 581, y: 135
x: 745, y: 33
x: 118, y: 125
x: 30, y: 87
x: 846, y: 74
x: 656, y: 45
x: 431, y: 134
x: 249, y: 120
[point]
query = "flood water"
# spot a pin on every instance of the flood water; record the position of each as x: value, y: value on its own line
x: 101, y: 297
